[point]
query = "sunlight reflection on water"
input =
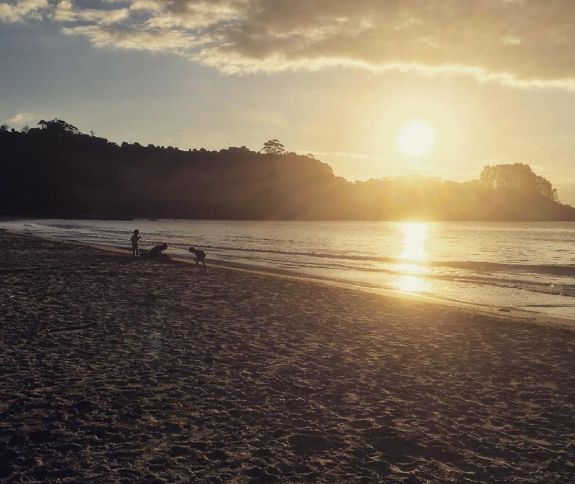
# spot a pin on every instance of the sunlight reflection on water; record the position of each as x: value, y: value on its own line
x: 496, y: 264
x: 414, y: 237
x: 409, y: 283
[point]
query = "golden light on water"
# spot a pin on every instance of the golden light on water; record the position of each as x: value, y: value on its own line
x: 409, y: 283
x: 413, y: 249
x: 414, y: 237
x: 416, y: 139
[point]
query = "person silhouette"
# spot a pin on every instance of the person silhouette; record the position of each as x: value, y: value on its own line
x: 200, y: 255
x: 136, y: 243
x: 156, y: 252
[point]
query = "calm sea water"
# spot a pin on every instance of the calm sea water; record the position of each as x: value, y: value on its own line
x: 529, y: 266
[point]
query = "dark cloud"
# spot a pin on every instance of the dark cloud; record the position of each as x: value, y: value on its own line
x: 518, y: 42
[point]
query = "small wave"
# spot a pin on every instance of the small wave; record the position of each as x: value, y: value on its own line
x: 337, y: 259
x: 549, y: 306
x: 479, y: 266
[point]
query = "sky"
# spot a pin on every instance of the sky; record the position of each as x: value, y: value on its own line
x: 493, y: 79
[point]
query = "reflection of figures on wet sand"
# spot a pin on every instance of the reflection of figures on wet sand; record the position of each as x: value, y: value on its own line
x: 200, y: 255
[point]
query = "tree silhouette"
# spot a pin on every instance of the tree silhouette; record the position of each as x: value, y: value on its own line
x: 58, y: 127
x: 516, y: 177
x: 56, y: 171
x: 273, y: 147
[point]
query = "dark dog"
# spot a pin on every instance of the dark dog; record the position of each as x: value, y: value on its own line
x: 156, y: 252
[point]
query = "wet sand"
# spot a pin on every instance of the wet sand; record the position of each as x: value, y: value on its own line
x: 115, y: 369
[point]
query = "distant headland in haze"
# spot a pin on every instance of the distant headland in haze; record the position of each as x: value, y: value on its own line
x: 56, y: 171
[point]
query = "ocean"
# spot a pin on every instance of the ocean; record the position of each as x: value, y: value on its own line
x: 502, y: 265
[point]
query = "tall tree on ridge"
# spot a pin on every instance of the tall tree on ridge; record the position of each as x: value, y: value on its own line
x: 273, y: 147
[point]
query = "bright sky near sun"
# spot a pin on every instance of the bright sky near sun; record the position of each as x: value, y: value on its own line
x: 415, y: 139
x: 373, y: 88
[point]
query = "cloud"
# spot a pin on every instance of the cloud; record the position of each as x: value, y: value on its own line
x: 21, y: 10
x: 67, y: 12
x: 520, y: 43
x: 342, y: 154
x: 22, y: 118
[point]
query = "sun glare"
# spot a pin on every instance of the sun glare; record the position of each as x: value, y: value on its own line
x: 413, y: 253
x: 416, y: 139
x: 414, y: 237
x: 407, y: 283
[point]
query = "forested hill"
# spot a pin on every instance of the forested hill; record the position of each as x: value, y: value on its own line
x: 55, y: 171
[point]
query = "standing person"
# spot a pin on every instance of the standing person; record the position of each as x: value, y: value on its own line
x: 136, y: 243
x: 200, y: 255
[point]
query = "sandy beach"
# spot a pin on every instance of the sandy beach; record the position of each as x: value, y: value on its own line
x: 123, y: 370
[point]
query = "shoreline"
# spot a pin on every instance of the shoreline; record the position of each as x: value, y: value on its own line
x: 140, y: 370
x: 511, y: 314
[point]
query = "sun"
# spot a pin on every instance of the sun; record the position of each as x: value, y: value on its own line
x: 416, y: 139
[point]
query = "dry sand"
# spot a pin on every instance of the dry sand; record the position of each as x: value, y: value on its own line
x: 114, y: 369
